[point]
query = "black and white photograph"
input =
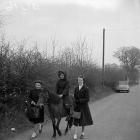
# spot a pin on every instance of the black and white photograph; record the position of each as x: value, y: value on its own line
x: 69, y: 69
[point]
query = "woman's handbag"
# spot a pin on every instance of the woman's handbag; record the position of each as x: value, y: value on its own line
x: 76, y: 115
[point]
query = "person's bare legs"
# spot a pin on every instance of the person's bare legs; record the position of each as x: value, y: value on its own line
x: 40, y: 127
x: 35, y: 131
x: 75, y: 133
x: 83, y: 129
x: 83, y: 132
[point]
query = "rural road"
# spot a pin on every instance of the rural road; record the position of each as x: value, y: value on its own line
x: 116, y: 117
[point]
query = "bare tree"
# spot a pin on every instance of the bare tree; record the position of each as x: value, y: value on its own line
x: 53, y: 45
x: 129, y: 58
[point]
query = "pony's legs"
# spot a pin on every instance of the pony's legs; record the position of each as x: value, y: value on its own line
x: 67, y: 128
x: 54, y: 128
x: 69, y: 124
x: 57, y: 127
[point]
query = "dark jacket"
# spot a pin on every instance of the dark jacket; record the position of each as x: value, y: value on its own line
x: 62, y: 87
x: 82, y: 98
x: 36, y: 95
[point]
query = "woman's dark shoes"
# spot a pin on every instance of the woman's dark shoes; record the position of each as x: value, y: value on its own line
x: 82, y: 136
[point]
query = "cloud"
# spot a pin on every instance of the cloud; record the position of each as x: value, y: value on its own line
x: 24, y: 5
x: 97, y: 4
x: 21, y: 5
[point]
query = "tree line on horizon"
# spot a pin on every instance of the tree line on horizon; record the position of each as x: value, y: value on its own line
x: 20, y: 66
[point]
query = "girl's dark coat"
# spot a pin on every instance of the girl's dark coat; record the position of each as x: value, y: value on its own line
x: 35, y: 96
x: 82, y: 98
x: 62, y: 87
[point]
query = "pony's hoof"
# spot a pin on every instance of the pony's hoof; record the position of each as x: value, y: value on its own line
x: 54, y: 136
x: 66, y: 131
x: 82, y: 137
x: 59, y: 133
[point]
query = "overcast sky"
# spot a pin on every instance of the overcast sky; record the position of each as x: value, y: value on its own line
x: 67, y: 20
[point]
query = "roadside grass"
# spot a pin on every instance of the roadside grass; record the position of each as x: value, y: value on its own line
x: 99, y: 93
x: 17, y: 121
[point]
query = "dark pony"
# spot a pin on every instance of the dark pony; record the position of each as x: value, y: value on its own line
x: 58, y: 111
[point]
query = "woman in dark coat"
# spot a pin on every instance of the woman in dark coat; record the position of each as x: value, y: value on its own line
x: 36, y: 99
x: 81, y: 96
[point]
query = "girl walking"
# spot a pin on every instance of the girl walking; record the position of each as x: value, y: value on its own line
x: 81, y: 95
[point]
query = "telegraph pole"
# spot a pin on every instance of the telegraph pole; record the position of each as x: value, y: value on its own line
x: 103, y: 57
